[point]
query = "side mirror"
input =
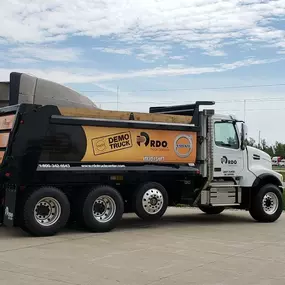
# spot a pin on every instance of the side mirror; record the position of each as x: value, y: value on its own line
x: 243, y: 135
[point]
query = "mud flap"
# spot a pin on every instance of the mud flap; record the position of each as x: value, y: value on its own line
x: 9, y: 206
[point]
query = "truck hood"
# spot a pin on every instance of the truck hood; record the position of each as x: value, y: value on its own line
x: 259, y: 156
x: 259, y: 162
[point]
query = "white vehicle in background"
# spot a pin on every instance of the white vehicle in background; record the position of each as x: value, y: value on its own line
x: 275, y: 160
x: 282, y: 163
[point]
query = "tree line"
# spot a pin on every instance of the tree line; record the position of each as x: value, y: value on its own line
x: 277, y: 149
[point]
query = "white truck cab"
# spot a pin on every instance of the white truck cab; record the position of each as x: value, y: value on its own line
x: 232, y: 158
x: 238, y: 176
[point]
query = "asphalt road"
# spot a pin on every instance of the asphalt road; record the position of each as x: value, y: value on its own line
x: 185, y: 247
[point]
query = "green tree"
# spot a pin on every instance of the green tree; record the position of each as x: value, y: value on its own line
x: 250, y: 142
x: 266, y: 148
x: 279, y: 149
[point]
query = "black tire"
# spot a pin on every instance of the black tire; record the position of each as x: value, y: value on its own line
x: 211, y: 210
x: 159, y: 192
x: 86, y: 216
x: 29, y: 223
x: 258, y: 211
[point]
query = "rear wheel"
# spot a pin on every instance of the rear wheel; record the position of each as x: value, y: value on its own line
x: 101, y: 209
x: 267, y: 204
x: 211, y: 210
x: 44, y: 212
x: 150, y: 201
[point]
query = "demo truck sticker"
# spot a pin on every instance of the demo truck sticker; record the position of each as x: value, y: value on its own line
x: 130, y: 145
x: 111, y: 143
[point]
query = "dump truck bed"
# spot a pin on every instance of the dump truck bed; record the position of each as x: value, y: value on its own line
x: 37, y: 138
x: 43, y: 146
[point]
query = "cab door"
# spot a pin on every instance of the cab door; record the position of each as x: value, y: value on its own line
x: 228, y: 156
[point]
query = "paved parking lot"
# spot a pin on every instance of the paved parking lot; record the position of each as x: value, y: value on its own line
x: 186, y: 247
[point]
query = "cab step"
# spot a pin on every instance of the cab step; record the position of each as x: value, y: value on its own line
x: 226, y: 205
x: 221, y: 194
x: 223, y: 186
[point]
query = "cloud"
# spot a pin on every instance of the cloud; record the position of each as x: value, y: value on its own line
x: 215, y: 53
x: 21, y: 60
x: 143, y: 52
x: 126, y: 51
x: 203, y: 24
x: 45, y: 53
x: 36, y: 54
x: 177, y: 57
x: 152, y: 52
x: 95, y: 76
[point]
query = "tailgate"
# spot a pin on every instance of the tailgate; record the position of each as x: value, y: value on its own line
x: 8, y: 117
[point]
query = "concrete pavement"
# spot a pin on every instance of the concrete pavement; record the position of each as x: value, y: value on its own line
x: 185, y: 247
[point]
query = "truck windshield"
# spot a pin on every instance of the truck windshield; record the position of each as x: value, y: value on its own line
x: 225, y: 135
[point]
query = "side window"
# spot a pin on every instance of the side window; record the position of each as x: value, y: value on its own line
x: 225, y: 135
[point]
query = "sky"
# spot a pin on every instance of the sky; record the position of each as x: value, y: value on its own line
x: 133, y: 54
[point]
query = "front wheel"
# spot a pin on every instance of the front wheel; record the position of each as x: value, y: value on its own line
x: 267, y: 204
x: 211, y: 210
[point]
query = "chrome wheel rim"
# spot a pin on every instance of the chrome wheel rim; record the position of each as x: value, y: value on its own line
x: 47, y: 211
x: 104, y: 209
x: 152, y: 201
x: 270, y: 203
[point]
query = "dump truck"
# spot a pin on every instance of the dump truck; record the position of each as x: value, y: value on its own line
x: 63, y: 162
